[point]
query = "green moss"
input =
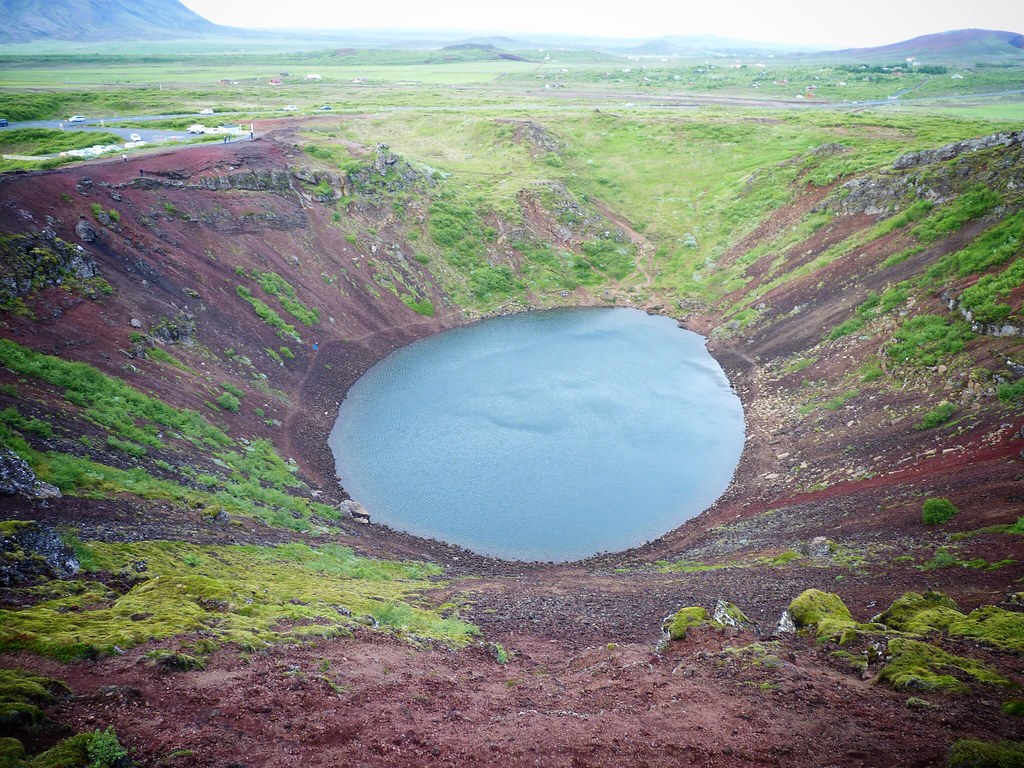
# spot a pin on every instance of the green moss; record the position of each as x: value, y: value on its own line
x: 174, y: 661
x: 11, y: 752
x: 248, y: 595
x: 967, y: 753
x: 992, y: 626
x: 825, y: 614
x: 786, y: 557
x: 686, y: 619
x: 919, y: 614
x: 21, y: 693
x: 917, y: 666
x: 69, y: 753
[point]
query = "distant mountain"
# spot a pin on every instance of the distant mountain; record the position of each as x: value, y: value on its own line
x: 957, y: 46
x: 26, y: 21
x: 704, y: 45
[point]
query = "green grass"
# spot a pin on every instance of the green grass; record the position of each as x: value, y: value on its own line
x: 110, y: 402
x: 927, y: 340
x: 46, y: 141
x: 268, y: 315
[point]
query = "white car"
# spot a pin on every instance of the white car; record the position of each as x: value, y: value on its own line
x: 76, y: 119
x: 135, y: 137
x: 289, y: 108
x: 206, y: 111
x: 196, y: 128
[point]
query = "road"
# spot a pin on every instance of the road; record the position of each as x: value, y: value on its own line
x: 149, y: 135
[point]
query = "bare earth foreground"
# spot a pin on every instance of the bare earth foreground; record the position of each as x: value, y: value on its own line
x: 587, y: 681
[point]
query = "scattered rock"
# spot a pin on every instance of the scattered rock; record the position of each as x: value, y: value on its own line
x: 819, y: 547
x: 16, y: 476
x: 29, y: 550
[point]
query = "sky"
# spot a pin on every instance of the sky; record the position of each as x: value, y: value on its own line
x: 799, y: 22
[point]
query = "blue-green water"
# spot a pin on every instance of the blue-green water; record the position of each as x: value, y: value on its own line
x: 542, y: 436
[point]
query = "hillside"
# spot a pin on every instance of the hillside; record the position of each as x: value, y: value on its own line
x: 959, y: 46
x: 101, y: 20
x: 192, y: 571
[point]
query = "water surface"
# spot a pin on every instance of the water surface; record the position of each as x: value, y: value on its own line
x: 542, y: 436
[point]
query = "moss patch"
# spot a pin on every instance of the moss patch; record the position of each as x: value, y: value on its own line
x: 249, y: 595
x: 686, y: 619
x: 917, y: 666
x: 920, y: 614
x: 21, y: 693
x: 980, y: 754
x: 826, y: 615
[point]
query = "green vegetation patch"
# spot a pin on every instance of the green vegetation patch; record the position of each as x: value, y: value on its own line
x: 983, y: 299
x: 990, y: 625
x: 686, y: 619
x: 21, y: 693
x: 47, y: 141
x: 248, y: 595
x: 927, y: 340
x: 275, y: 285
x: 917, y: 666
x: 99, y: 749
x: 936, y: 511
x: 827, y: 617
x: 919, y: 614
x: 110, y: 402
x: 968, y: 753
x: 937, y: 416
x: 268, y: 315
x: 971, y: 205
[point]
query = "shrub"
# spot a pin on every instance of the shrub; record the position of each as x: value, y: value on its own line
x: 105, y: 751
x: 937, y: 416
x: 229, y: 402
x: 937, y: 511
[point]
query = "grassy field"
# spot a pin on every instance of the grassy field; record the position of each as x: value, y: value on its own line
x: 692, y: 179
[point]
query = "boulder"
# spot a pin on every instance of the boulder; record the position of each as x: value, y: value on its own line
x: 354, y: 510
x: 85, y: 231
x: 786, y: 626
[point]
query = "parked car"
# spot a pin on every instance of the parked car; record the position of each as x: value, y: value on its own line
x: 289, y: 108
x: 135, y: 137
x: 206, y: 111
x: 325, y: 108
x: 3, y: 122
x: 76, y: 119
x: 196, y: 128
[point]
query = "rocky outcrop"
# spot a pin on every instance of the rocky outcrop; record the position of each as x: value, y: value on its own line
x: 37, y: 260
x: 538, y: 139
x: 17, y: 477
x: 386, y: 174
x: 180, y: 329
x: 950, y: 151
x: 986, y: 329
x: 29, y: 550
